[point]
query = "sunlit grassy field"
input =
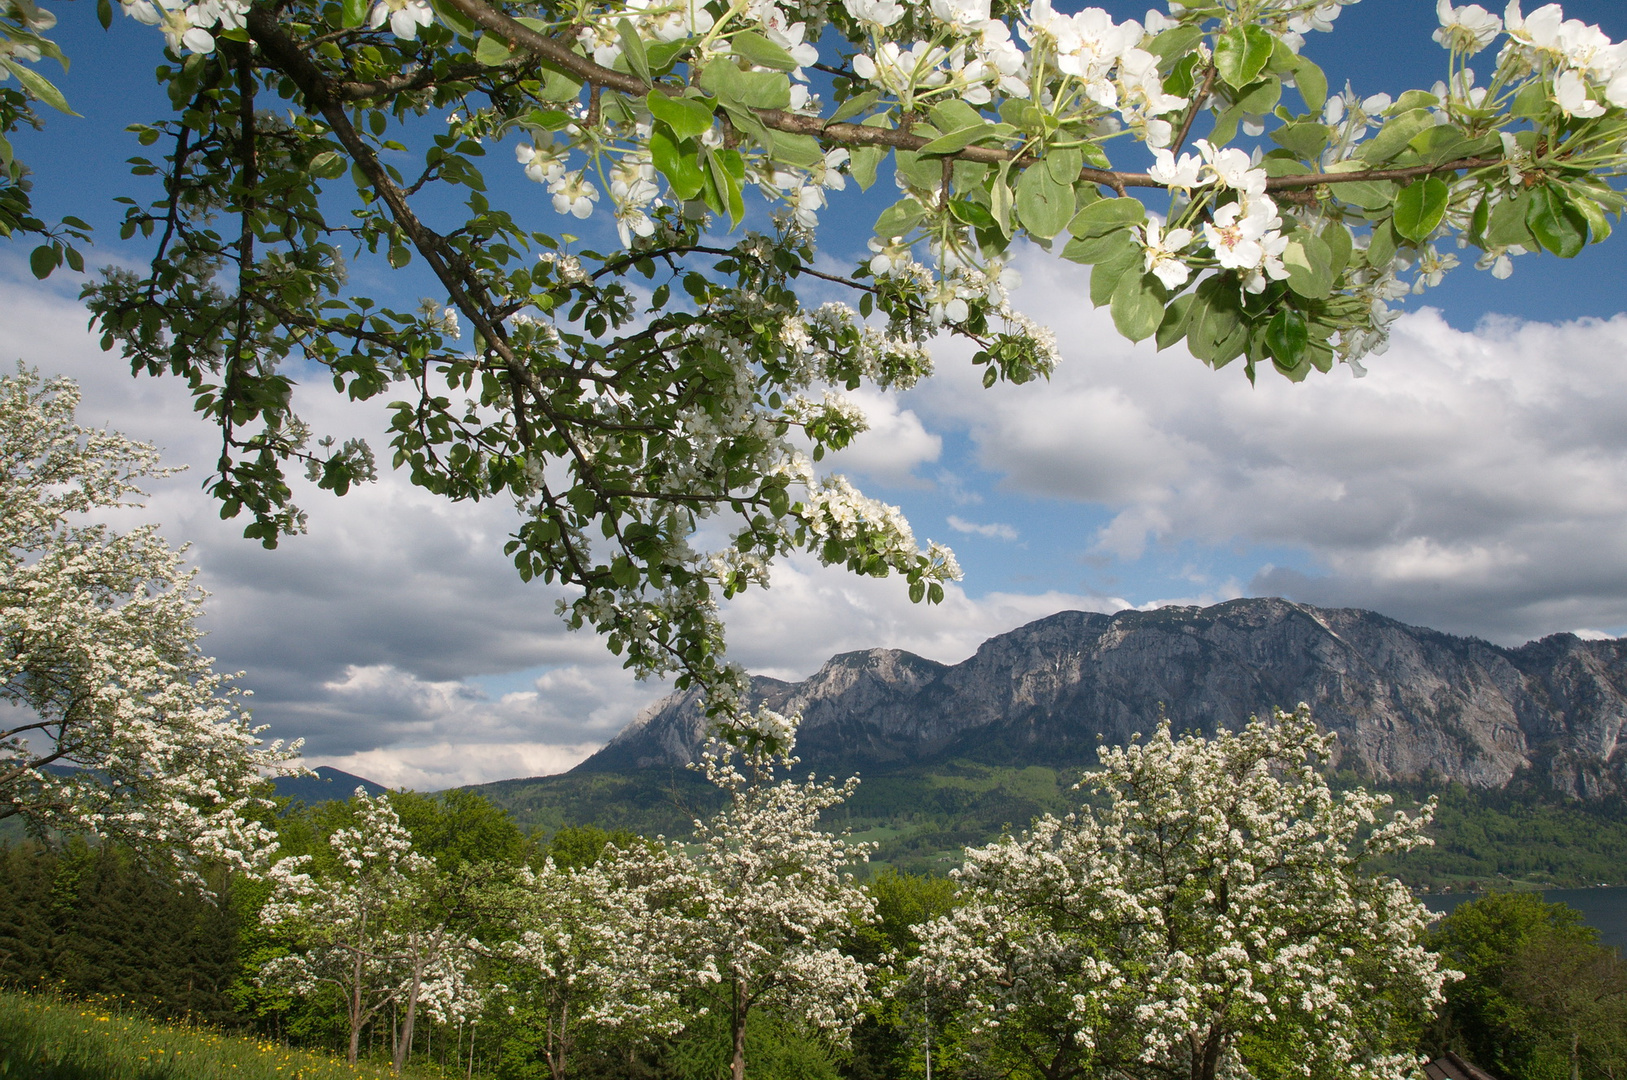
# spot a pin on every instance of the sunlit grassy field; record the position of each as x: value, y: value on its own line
x: 46, y: 1039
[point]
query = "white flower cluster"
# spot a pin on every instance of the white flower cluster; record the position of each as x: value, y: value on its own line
x: 1589, y: 71
x: 188, y: 25
x: 123, y: 729
x: 1217, y: 890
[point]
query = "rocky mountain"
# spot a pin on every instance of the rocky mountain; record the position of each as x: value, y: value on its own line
x: 1407, y: 703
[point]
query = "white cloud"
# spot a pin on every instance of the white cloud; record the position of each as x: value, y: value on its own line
x: 891, y: 448
x: 994, y: 530
x: 1475, y: 481
x: 812, y: 612
x: 444, y: 765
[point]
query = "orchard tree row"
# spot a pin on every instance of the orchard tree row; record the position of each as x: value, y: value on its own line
x: 1206, y: 912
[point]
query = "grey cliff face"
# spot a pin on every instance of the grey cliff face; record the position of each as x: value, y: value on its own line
x: 1407, y: 703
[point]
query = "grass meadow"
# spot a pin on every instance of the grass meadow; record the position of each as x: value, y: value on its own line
x: 43, y: 1038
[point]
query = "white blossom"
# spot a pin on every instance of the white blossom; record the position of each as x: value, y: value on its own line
x: 404, y: 17
x: 1466, y: 29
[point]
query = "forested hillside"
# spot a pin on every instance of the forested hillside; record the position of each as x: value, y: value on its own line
x: 1525, y: 834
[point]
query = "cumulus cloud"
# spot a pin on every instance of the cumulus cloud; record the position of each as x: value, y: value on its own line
x: 893, y: 446
x: 994, y: 530
x: 812, y: 612
x: 372, y: 633
x: 1473, y: 482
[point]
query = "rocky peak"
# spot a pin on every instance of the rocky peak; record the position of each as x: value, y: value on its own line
x: 1406, y: 702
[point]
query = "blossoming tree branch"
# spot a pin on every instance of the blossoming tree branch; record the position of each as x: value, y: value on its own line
x: 683, y: 383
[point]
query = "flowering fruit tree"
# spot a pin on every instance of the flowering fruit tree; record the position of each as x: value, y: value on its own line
x: 112, y: 721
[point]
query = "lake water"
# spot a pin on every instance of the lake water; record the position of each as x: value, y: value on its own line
x: 1603, y: 909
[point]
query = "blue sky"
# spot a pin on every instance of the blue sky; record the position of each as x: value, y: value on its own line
x: 1473, y: 482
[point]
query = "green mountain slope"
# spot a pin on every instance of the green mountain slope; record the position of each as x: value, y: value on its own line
x: 922, y: 818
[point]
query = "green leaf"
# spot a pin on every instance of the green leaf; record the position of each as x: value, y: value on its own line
x: 1367, y: 194
x: 1261, y: 97
x: 1000, y: 200
x: 39, y: 86
x: 899, y: 218
x: 1441, y: 143
x: 680, y: 164
x: 1305, y: 140
x: 761, y: 52
x: 746, y: 89
x: 1506, y: 224
x: 1313, y: 85
x: 855, y: 105
x: 973, y: 214
x: 953, y: 115
x: 686, y: 117
x: 792, y: 149
x: 104, y: 13
x: 1340, y: 244
x: 1532, y: 102
x: 1241, y: 54
x: 1110, y: 272
x: 352, y: 13
x: 1043, y: 206
x: 958, y: 140
x: 327, y: 165
x: 1597, y: 223
x: 1102, y: 248
x: 1216, y: 331
x: 1176, y: 318
x: 1310, y: 265
x: 492, y: 50
x: 1138, y: 305
x: 1381, y: 245
x: 1556, y: 225
x: 1225, y: 129
x: 1286, y: 337
x: 632, y: 48
x: 1394, y: 136
x: 1420, y: 208
x: 1175, y: 43
x: 863, y: 163
x: 44, y: 259
x: 1107, y: 215
x: 1064, y: 163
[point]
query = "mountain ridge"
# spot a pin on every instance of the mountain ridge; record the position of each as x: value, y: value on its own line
x: 1408, y: 703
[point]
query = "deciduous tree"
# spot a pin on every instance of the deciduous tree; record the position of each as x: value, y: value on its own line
x: 1540, y: 996
x: 775, y: 899
x: 374, y: 922
x: 1211, y: 912
x: 114, y: 722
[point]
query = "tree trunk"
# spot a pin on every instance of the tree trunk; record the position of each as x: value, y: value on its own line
x: 403, y: 1046
x: 558, y: 1044
x: 1206, y: 1062
x: 742, y: 1006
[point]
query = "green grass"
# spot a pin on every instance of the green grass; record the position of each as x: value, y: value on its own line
x: 44, y: 1038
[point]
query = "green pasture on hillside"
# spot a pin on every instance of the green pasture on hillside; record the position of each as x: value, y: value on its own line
x: 44, y: 1038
